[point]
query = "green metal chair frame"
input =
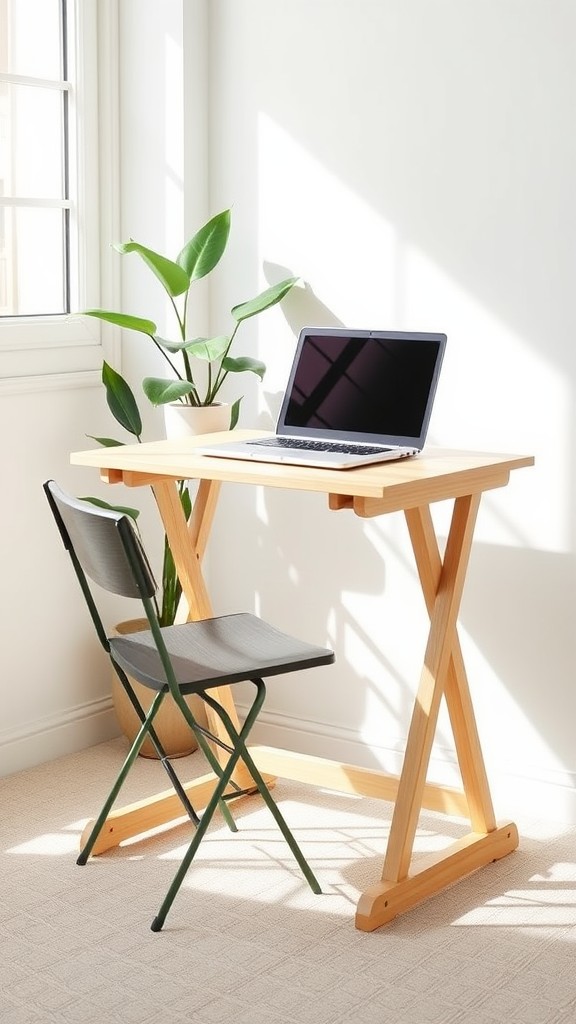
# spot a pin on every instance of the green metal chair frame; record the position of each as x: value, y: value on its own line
x: 106, y: 550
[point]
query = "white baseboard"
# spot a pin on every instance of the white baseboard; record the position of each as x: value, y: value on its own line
x: 48, y: 738
x: 524, y: 792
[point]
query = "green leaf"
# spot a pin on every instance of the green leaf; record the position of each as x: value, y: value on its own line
x: 132, y: 512
x: 171, y: 587
x: 133, y: 323
x: 234, y: 413
x: 106, y: 442
x: 121, y: 401
x: 263, y: 301
x: 160, y: 391
x: 209, y: 349
x: 244, y: 363
x: 172, y: 346
x: 186, y: 502
x: 201, y: 254
x: 172, y: 276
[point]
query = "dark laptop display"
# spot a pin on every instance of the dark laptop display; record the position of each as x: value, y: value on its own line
x: 358, y: 386
x: 353, y: 397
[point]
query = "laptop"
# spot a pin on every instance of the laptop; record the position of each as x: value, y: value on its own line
x: 353, y: 398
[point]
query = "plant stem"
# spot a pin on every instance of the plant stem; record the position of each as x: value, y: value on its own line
x: 222, y: 374
x: 187, y: 365
x: 166, y: 357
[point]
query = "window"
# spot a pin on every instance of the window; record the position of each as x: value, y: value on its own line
x: 50, y: 185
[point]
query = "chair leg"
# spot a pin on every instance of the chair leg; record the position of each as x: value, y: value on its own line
x: 208, y: 754
x: 143, y: 732
x: 205, y: 820
x: 155, y: 740
x: 240, y: 743
x: 240, y: 751
x: 164, y: 761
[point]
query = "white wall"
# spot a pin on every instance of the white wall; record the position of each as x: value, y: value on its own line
x: 414, y: 163
x: 54, y: 680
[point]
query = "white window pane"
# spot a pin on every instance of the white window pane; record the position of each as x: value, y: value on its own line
x: 30, y: 38
x: 32, y: 262
x: 37, y: 287
x: 31, y: 134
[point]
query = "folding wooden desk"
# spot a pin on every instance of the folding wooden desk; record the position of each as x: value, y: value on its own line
x: 409, y: 486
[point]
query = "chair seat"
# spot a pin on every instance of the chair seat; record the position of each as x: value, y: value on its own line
x: 212, y: 652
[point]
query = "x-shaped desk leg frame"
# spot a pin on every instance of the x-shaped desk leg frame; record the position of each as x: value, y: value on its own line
x: 404, y: 884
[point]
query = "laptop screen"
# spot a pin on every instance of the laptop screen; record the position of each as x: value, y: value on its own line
x: 362, y: 384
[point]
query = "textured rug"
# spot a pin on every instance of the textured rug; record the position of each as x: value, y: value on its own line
x: 246, y: 941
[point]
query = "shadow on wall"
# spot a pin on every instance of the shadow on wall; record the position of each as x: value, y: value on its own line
x: 521, y: 632
x: 311, y: 570
x: 301, y: 307
x: 506, y: 588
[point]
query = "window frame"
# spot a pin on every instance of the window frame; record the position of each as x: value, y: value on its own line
x: 39, y: 352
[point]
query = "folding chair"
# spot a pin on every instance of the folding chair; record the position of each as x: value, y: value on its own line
x: 191, y: 658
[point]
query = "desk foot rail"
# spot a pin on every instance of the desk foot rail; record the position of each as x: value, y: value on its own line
x: 385, y: 900
x: 142, y: 816
x: 349, y: 778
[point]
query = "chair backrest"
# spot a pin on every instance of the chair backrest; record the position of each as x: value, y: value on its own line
x: 103, y: 543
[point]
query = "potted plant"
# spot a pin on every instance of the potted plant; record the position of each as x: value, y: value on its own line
x: 199, y: 367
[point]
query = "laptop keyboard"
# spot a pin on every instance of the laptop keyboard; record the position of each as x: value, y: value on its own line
x: 303, y: 443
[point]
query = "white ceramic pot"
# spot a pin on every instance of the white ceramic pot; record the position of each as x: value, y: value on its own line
x: 185, y: 420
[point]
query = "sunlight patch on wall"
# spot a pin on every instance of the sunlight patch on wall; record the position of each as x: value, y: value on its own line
x: 173, y: 116
x: 362, y: 272
x: 314, y: 225
x: 497, y: 393
x: 514, y: 715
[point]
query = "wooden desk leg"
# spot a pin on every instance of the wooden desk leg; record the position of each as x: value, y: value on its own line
x: 442, y: 586
x: 187, y: 544
x: 200, y: 522
x: 457, y: 691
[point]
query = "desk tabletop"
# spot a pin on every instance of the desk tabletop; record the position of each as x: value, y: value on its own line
x: 436, y: 474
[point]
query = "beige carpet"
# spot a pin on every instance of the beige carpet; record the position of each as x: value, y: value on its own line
x: 246, y: 941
